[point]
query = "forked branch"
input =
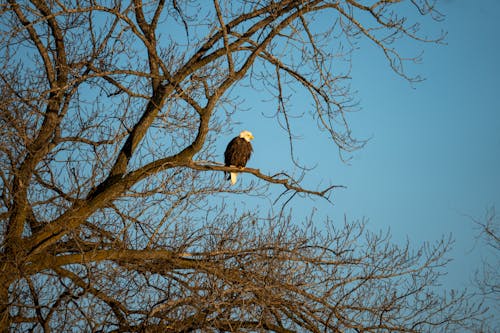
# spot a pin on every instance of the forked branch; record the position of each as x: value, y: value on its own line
x: 281, y: 178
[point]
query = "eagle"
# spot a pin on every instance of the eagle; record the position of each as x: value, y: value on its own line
x: 238, y: 153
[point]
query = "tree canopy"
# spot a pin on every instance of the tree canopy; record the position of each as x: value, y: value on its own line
x: 111, y: 218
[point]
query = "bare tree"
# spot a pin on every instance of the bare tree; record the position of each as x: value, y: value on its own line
x: 112, y: 207
x: 487, y: 279
x: 489, y: 283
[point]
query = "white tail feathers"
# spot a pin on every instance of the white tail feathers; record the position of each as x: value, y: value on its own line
x: 234, y: 176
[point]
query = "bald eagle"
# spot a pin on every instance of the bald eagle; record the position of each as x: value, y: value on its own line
x: 238, y: 153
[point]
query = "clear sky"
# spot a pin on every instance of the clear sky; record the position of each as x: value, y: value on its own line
x: 433, y: 159
x: 434, y: 156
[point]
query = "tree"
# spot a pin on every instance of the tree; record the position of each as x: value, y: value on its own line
x: 487, y: 279
x: 112, y: 215
x: 488, y: 282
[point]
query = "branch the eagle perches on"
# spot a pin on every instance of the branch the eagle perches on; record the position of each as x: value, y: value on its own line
x: 280, y: 178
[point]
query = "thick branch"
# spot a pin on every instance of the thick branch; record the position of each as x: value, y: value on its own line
x: 41, y: 145
x: 225, y: 37
x: 280, y: 178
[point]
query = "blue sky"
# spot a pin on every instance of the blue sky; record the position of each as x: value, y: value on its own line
x: 433, y: 158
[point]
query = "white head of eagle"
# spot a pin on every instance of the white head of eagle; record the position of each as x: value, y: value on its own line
x: 238, y: 152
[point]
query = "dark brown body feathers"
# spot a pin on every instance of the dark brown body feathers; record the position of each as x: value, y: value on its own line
x: 238, y: 152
